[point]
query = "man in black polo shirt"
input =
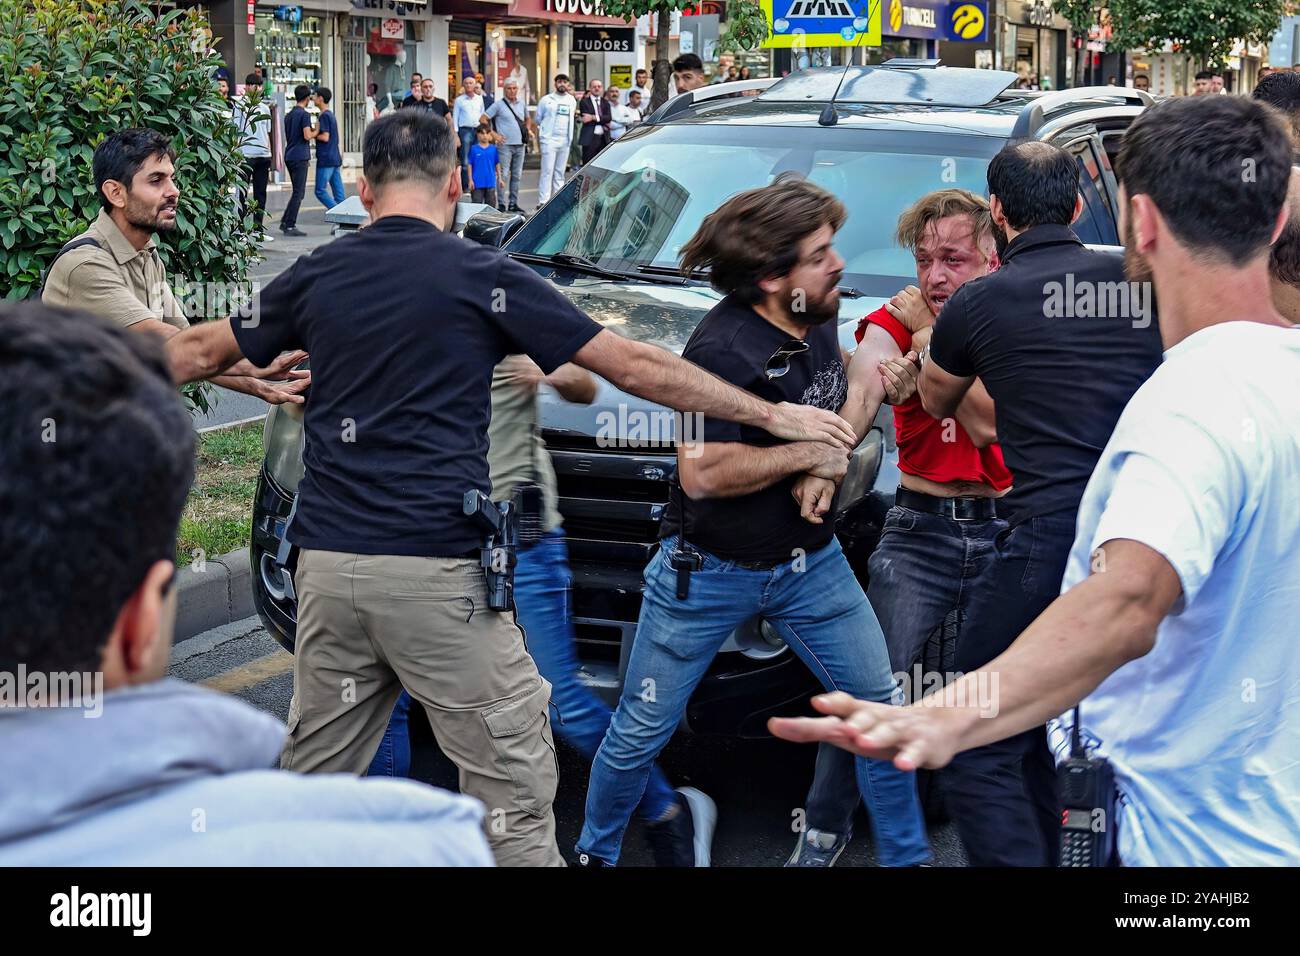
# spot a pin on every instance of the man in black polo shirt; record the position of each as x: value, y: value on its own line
x: 1061, y: 341
x: 391, y: 594
x: 774, y: 334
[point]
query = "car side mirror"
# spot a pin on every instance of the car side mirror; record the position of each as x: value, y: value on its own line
x: 492, y: 228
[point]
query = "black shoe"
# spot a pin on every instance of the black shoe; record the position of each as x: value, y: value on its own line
x: 293, y: 231
x: 501, y: 208
x: 514, y: 209
x: 686, y: 838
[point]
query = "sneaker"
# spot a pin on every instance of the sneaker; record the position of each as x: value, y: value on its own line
x: 686, y: 838
x: 267, y: 237
x: 818, y: 848
x: 293, y: 231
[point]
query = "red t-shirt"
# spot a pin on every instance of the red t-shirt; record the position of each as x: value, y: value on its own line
x: 921, y: 448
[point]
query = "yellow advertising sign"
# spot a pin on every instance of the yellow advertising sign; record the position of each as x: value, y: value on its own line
x: 798, y: 24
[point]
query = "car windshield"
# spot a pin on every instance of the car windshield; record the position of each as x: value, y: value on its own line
x: 639, y: 201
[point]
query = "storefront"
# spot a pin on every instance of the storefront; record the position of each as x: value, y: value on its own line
x: 289, y: 45
x: 952, y: 30
x: 1034, y: 44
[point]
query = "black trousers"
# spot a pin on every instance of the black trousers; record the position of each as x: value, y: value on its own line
x: 298, y: 176
x: 259, y: 172
x: 1002, y: 797
x: 594, y: 146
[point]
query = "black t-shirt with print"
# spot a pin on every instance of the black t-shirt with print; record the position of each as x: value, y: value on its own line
x: 397, y: 418
x: 735, y: 343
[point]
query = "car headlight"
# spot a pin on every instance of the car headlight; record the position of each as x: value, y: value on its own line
x: 282, y: 443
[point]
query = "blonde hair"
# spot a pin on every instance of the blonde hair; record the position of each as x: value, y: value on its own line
x: 941, y: 204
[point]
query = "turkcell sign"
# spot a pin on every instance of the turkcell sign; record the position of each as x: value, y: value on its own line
x: 953, y: 20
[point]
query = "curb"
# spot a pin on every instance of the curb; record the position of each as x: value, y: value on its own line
x: 213, y: 593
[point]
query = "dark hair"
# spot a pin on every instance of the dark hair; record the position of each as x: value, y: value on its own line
x: 415, y: 74
x: 1284, y: 255
x: 99, y: 454
x: 301, y: 92
x: 1036, y: 184
x: 1204, y: 75
x: 1140, y: 76
x: 121, y: 155
x: 325, y: 93
x: 560, y: 76
x: 407, y: 145
x: 688, y: 61
x: 1216, y: 167
x: 755, y: 235
x: 252, y: 80
x: 1282, y: 92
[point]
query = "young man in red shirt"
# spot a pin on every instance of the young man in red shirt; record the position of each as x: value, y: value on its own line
x: 939, y: 537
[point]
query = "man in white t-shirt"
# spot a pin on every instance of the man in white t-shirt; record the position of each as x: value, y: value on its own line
x: 1179, y: 623
x: 555, y: 112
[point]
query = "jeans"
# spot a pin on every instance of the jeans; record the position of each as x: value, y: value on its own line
x: 818, y: 608
x: 259, y: 171
x: 1003, y: 795
x: 330, y: 178
x: 542, y: 594
x: 554, y: 161
x: 298, y: 176
x: 512, y: 170
x: 393, y: 758
x: 925, y: 567
x: 467, y: 134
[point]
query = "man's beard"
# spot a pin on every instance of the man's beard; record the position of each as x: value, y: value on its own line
x: 1136, y: 267
x: 1000, y: 241
x: 143, y: 218
x: 819, y: 311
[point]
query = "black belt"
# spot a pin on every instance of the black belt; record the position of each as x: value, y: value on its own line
x: 963, y: 508
x: 769, y: 565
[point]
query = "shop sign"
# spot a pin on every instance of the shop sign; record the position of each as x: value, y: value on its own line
x: 603, y: 40
x: 800, y: 24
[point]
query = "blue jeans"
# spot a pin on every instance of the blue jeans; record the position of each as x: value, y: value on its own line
x: 925, y: 567
x: 330, y: 178
x: 467, y: 139
x: 542, y: 581
x: 820, y: 611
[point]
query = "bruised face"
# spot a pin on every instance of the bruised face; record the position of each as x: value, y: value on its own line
x: 811, y: 289
x: 947, y: 256
x: 152, y: 195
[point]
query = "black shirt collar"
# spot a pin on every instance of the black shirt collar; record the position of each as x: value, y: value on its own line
x: 1044, y: 235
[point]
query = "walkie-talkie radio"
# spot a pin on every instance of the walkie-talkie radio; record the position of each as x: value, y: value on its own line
x: 683, y: 558
x: 1087, y: 787
x: 497, y: 553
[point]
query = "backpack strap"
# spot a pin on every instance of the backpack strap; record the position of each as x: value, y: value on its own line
x: 67, y: 247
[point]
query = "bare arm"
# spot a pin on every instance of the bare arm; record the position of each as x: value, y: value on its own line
x: 732, y: 469
x: 655, y: 374
x: 202, y: 351
x: 975, y: 410
x: 866, y: 391
x: 1082, y: 638
x: 573, y: 383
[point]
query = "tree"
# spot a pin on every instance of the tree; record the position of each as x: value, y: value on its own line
x: 1202, y: 29
x: 748, y: 28
x: 71, y: 73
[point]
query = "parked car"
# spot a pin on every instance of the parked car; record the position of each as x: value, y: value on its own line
x: 876, y: 137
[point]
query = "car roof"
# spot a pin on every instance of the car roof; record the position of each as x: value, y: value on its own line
x: 918, y: 95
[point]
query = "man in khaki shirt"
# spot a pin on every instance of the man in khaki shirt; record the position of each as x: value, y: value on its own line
x: 121, y: 276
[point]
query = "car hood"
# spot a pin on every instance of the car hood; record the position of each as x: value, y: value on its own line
x: 654, y: 313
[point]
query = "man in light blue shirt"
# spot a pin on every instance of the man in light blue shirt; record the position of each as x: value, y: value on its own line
x: 510, y: 115
x: 1178, y: 626
x: 467, y: 110
x: 252, y: 115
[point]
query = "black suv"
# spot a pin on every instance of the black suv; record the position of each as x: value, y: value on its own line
x: 876, y: 137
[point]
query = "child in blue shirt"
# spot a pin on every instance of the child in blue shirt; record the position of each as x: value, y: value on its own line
x: 484, y: 166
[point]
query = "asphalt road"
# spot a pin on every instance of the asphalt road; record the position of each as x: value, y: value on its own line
x: 758, y: 785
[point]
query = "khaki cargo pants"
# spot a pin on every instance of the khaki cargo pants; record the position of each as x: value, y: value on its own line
x: 369, y: 625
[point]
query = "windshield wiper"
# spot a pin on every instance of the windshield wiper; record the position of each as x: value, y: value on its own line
x: 700, y: 276
x: 569, y: 260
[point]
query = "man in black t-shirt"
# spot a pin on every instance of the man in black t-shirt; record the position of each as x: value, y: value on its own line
x: 417, y: 85
x: 429, y: 103
x: 740, y: 531
x: 391, y: 593
x: 298, y: 137
x: 1061, y: 341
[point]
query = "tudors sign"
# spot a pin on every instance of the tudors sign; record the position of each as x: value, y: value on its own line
x: 602, y: 40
